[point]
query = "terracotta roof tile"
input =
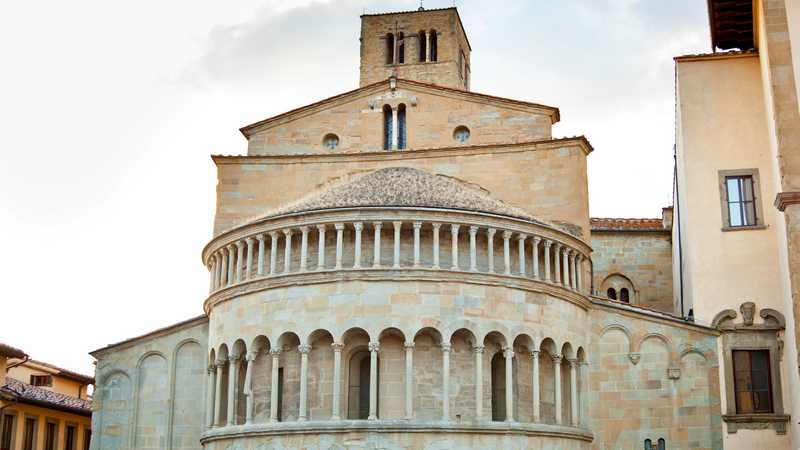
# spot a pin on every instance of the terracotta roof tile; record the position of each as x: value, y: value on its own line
x: 65, y: 373
x: 27, y: 393
x: 11, y: 352
x: 617, y: 224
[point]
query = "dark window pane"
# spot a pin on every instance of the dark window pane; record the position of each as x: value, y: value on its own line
x: 752, y: 381
x: 6, y: 432
x: 762, y: 402
x: 747, y: 188
x: 87, y: 439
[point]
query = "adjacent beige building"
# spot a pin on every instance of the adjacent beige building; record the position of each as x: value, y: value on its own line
x: 412, y: 265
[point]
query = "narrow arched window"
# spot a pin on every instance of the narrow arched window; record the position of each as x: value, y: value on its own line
x: 624, y: 295
x: 612, y: 293
x: 358, y: 387
x: 648, y: 444
x: 423, y: 46
x: 434, y: 46
x: 390, y: 48
x: 498, y: 387
x: 401, y: 49
x: 387, y: 127
x: 662, y: 444
x: 401, y: 127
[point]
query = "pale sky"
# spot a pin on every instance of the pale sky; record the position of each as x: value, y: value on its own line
x: 110, y: 109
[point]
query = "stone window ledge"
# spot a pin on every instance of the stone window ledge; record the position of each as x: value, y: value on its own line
x: 745, y: 228
x: 738, y: 422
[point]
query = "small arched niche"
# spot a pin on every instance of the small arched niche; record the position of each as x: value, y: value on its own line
x: 619, y: 287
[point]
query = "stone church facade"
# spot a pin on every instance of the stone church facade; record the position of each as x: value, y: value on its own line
x: 412, y: 265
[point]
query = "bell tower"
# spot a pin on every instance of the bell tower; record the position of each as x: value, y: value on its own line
x: 427, y: 45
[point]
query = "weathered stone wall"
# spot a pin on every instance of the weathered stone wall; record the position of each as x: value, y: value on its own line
x: 645, y: 258
x: 651, y: 379
x: 432, y: 116
x: 151, y: 392
x: 548, y: 180
x: 451, y: 41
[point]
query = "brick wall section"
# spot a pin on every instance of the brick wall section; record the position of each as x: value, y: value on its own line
x: 644, y: 257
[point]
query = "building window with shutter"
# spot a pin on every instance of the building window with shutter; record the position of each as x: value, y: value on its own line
x: 740, y: 200
x: 7, y: 432
x: 752, y: 381
x: 42, y: 380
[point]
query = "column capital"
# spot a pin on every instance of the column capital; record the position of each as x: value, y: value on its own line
x: 454, y: 227
x: 358, y: 226
x: 221, y: 363
x: 304, y: 229
x: 377, y: 225
x: 230, y: 248
x: 473, y: 230
x: 321, y: 227
x: 535, y: 354
x: 339, y: 226
x: 491, y: 232
x: 408, y: 345
x: 536, y: 240
x: 508, y: 352
x: 558, y: 245
x: 211, y: 368
x: 260, y: 237
x: 573, y: 362
x: 337, y: 347
x: 557, y: 359
x: 239, y: 244
x: 397, y: 224
x: 417, y: 225
x: 446, y: 347
x: 478, y: 349
x: 273, y: 234
x: 436, y: 225
x: 288, y: 231
x: 304, y: 348
x: 250, y: 240
x: 234, y: 358
x: 275, y: 352
x: 522, y: 236
x: 548, y: 243
x: 507, y: 234
x: 374, y: 346
x: 251, y: 355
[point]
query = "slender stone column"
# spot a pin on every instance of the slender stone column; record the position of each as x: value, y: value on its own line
x: 239, y: 260
x: 358, y: 226
x: 535, y: 250
x: 287, y: 250
x: 478, y: 382
x: 507, y: 252
x: 303, y: 248
x: 557, y: 370
x: 573, y: 392
x: 566, y: 275
x: 273, y: 393
x: 446, y: 347
x: 261, y: 249
x: 273, y: 252
x: 395, y: 130
x: 417, y: 228
x: 373, y: 380
x: 521, y: 241
x: 233, y: 378
x: 339, y: 244
x: 218, y: 393
x: 248, y: 387
x: 211, y: 394
x: 547, y: 245
x: 397, y: 227
x: 436, y: 227
x: 337, y: 380
x: 579, y: 273
x: 490, y: 248
x: 572, y: 283
x: 428, y: 46
x: 537, y: 405
x: 409, y: 346
x: 231, y: 267
x: 557, y: 262
x: 376, y: 255
x: 303, y: 414
x: 508, y: 353
x: 454, y: 246
x: 321, y: 247
x: 473, y: 249
x: 220, y: 257
x: 211, y: 273
x: 249, y: 269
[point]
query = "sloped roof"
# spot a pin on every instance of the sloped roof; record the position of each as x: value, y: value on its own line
x: 247, y: 130
x: 27, y: 393
x: 11, y: 352
x: 617, y: 224
x: 59, y: 371
x: 401, y: 187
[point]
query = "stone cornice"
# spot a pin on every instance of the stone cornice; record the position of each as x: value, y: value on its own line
x: 151, y: 335
x: 422, y: 153
x: 394, y: 275
x: 653, y: 316
x: 784, y: 199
